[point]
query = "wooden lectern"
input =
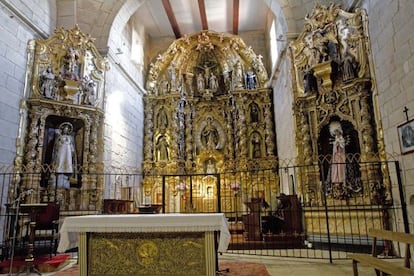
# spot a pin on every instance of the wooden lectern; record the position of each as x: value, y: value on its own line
x: 252, y: 220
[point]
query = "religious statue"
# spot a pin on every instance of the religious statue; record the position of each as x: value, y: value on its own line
x: 206, y: 67
x: 238, y: 75
x: 213, y: 84
x: 251, y: 79
x: 254, y: 113
x: 164, y: 87
x: 348, y: 67
x: 88, y: 92
x: 64, y: 158
x: 48, y: 83
x: 344, y: 177
x: 210, y: 135
x: 162, y: 120
x: 162, y: 149
x: 200, y: 82
x: 210, y: 167
x: 256, y: 151
x: 71, y: 67
x: 309, y: 81
x: 338, y: 153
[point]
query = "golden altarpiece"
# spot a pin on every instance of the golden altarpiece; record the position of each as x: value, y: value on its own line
x: 208, y: 111
x: 61, y: 121
x: 336, y: 114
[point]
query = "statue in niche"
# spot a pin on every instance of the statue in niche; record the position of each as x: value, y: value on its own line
x: 210, y: 166
x: 238, y: 75
x: 88, y: 92
x: 254, y: 113
x: 338, y: 153
x: 64, y: 154
x: 309, y: 81
x: 348, y: 67
x: 162, y: 120
x: 172, y: 72
x: 162, y: 149
x: 200, y: 82
x: 209, y: 135
x: 71, y: 67
x: 251, y: 80
x: 332, y: 48
x: 213, y: 82
x: 343, y: 176
x: 48, y: 84
x: 255, y: 146
x: 164, y: 87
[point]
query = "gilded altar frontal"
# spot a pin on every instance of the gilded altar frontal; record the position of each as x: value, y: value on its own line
x: 209, y: 110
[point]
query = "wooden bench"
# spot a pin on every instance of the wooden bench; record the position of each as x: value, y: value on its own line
x: 382, y: 265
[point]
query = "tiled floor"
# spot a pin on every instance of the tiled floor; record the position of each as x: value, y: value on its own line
x: 276, y: 266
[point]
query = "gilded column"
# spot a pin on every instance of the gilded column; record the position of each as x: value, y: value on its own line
x: 367, y: 131
x: 148, y: 130
x: 269, y: 135
x: 241, y: 129
x: 188, y: 134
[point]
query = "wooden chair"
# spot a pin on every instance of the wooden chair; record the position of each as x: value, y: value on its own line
x: 47, y: 229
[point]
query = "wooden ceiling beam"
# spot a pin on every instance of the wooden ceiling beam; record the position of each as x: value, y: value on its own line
x: 203, y: 15
x: 171, y: 17
x: 236, y: 17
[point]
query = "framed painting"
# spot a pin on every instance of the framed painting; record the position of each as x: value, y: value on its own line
x: 406, y: 136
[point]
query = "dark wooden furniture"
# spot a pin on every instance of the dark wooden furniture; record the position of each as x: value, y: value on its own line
x: 117, y: 206
x: 282, y: 226
x: 382, y: 265
x: 150, y: 209
x: 46, y: 230
x: 32, y: 210
x: 251, y: 221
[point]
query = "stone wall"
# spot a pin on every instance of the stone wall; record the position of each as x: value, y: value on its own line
x: 390, y: 26
x: 19, y: 23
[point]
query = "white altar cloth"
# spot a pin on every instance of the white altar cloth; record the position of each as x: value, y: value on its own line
x: 143, y: 223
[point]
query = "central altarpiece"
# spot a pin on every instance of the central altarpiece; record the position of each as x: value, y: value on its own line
x: 208, y: 111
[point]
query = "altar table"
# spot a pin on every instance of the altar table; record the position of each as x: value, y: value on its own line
x: 150, y: 244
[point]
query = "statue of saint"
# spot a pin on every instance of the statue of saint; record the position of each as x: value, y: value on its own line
x: 88, y: 96
x: 238, y: 75
x: 213, y: 82
x: 256, y: 151
x: 338, y: 168
x: 71, y: 69
x: 210, y: 167
x: 64, y: 152
x: 254, y: 113
x: 251, y: 79
x: 200, y: 82
x: 162, y: 149
x: 48, y: 83
x: 210, y: 135
x: 162, y: 119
